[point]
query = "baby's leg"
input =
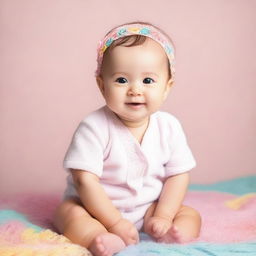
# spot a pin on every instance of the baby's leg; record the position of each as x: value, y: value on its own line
x: 185, y: 226
x: 72, y: 220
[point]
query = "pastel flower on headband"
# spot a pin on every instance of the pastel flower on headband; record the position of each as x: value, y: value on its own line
x: 136, y: 29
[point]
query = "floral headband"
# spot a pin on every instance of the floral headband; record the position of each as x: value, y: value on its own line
x: 136, y: 29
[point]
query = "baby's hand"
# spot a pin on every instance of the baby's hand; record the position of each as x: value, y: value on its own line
x: 126, y: 230
x: 157, y: 227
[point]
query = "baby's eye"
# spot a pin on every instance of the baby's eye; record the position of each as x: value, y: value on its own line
x: 148, y: 80
x: 121, y: 80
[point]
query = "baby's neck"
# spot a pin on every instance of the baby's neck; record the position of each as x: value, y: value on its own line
x: 137, y: 129
x: 136, y: 125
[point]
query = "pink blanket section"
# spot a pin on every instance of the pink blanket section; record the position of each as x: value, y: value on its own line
x: 219, y: 223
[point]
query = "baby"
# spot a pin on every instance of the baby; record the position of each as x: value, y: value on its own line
x: 128, y: 162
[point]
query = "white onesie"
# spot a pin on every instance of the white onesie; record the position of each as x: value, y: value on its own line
x: 131, y: 174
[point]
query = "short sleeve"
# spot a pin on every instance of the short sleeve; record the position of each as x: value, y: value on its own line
x: 181, y: 158
x: 86, y: 149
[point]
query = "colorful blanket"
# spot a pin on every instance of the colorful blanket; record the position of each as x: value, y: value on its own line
x: 228, y: 212
x: 19, y: 237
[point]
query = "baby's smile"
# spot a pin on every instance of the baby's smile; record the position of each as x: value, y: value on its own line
x: 135, y: 105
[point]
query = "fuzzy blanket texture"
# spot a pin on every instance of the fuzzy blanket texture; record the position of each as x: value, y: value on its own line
x: 228, y: 211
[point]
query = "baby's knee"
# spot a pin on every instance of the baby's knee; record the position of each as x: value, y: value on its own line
x: 190, y: 219
x: 66, y: 211
x: 187, y: 210
x: 196, y: 216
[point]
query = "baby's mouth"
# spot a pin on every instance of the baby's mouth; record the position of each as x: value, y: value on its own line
x: 135, y: 104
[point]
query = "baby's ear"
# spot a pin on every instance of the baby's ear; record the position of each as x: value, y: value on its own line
x: 168, y: 87
x: 100, y: 84
x: 170, y: 83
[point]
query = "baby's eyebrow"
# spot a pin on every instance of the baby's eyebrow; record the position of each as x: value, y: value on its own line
x: 127, y: 74
x: 150, y: 74
x: 119, y: 73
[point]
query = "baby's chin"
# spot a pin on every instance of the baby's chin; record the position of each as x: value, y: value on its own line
x: 133, y: 119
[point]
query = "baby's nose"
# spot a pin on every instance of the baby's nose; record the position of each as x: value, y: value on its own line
x: 135, y: 90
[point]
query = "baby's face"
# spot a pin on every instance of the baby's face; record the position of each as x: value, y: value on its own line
x: 135, y: 80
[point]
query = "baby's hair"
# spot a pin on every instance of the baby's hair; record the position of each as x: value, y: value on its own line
x: 135, y: 40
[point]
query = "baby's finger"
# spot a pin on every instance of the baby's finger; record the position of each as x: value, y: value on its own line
x: 157, y: 230
x: 130, y: 241
x: 135, y: 237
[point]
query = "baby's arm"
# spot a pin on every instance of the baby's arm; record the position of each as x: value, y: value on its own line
x: 98, y: 204
x: 169, y: 203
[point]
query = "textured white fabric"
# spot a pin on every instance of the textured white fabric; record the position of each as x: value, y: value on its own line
x: 132, y: 174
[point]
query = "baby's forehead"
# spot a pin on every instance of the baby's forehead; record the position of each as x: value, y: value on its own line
x: 150, y: 52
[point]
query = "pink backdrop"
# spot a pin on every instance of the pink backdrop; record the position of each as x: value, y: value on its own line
x: 47, y: 63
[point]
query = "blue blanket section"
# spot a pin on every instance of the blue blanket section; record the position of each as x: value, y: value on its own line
x: 195, y: 249
x: 239, y: 186
x: 10, y: 215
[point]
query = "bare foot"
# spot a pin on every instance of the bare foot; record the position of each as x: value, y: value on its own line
x: 106, y: 244
x: 173, y: 235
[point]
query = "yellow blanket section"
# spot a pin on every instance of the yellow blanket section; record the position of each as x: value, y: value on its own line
x: 44, y: 243
x: 238, y: 202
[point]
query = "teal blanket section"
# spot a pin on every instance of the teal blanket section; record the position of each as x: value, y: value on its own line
x: 7, y: 216
x: 238, y: 186
x: 196, y: 249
